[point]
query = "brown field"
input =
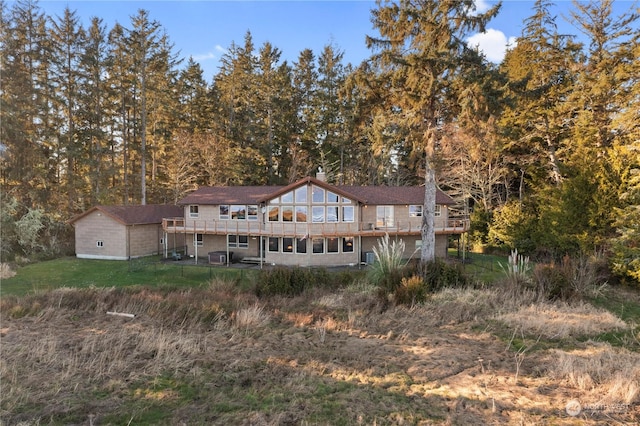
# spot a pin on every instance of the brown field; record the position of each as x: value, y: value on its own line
x: 220, y: 356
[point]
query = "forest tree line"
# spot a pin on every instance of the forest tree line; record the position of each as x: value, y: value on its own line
x: 542, y: 150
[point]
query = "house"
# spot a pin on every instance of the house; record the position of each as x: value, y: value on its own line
x: 307, y: 223
x: 124, y: 232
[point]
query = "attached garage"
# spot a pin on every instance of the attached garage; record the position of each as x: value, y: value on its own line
x: 123, y: 232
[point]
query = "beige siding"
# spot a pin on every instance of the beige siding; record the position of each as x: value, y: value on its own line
x: 99, y: 227
x: 144, y: 240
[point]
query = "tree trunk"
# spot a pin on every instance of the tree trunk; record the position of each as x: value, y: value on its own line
x: 428, y: 252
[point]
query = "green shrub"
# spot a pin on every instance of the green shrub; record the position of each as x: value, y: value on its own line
x: 438, y: 274
x: 292, y: 281
x: 573, y: 278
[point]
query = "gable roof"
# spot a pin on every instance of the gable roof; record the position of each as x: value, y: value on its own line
x: 372, y: 195
x: 229, y: 195
x: 393, y: 195
x: 135, y: 214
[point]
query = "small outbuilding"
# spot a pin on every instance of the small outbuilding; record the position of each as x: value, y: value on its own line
x: 124, y: 232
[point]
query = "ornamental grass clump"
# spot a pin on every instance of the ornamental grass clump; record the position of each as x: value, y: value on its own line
x: 388, y: 265
x: 517, y: 273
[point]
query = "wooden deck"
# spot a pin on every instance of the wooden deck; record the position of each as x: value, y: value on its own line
x: 279, y: 229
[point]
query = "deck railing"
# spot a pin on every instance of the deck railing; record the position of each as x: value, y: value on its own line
x: 255, y: 228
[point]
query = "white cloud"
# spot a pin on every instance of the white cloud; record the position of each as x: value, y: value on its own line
x: 482, y: 6
x: 493, y: 43
x: 204, y: 56
x: 218, y: 51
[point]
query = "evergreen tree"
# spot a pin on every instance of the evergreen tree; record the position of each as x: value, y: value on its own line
x: 421, y: 44
x: 96, y: 116
x: 24, y: 109
x: 67, y: 37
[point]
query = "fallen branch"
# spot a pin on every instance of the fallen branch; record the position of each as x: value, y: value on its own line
x: 120, y: 314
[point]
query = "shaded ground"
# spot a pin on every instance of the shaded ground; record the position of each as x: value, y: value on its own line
x: 325, y: 358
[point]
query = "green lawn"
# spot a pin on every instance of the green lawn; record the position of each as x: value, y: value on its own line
x: 486, y: 268
x: 73, y: 272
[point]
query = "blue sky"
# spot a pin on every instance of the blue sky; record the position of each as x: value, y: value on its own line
x: 205, y: 29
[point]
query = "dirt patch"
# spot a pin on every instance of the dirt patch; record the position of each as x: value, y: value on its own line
x: 334, y: 358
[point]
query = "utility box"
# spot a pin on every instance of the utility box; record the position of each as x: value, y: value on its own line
x: 219, y: 257
x: 369, y: 258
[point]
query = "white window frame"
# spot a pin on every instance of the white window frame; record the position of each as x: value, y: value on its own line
x: 198, y: 240
x: 239, y: 241
x: 345, y: 241
x: 352, y: 215
x: 304, y: 210
x: 194, y: 211
x: 386, y: 219
x: 252, y: 212
x: 415, y: 210
x: 313, y: 247
x: 313, y: 215
x: 337, y: 245
x: 237, y: 209
x: 438, y: 211
x: 100, y: 244
x: 277, y: 216
x: 277, y: 248
x: 223, y: 216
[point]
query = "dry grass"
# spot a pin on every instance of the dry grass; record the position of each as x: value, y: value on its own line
x: 6, y: 271
x: 320, y: 358
x: 562, y: 321
x: 607, y: 375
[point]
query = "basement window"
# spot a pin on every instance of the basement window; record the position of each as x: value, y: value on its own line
x: 100, y: 243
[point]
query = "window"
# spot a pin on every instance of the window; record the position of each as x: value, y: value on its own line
x: 318, y: 245
x: 301, y: 213
x: 332, y: 214
x: 274, y: 213
x: 347, y: 214
x: 288, y: 197
x: 317, y: 214
x: 418, y: 244
x: 198, y: 240
x: 301, y: 195
x: 238, y: 212
x: 224, y: 212
x: 161, y: 241
x: 238, y: 241
x: 287, y: 213
x: 274, y: 244
x: 287, y: 245
x: 438, y: 211
x: 193, y: 211
x: 331, y: 197
x: 384, y: 216
x: 347, y: 245
x: 415, y: 210
x: 301, y: 245
x: 332, y: 245
x: 100, y: 243
x: 317, y: 194
x: 252, y: 212
x: 243, y: 241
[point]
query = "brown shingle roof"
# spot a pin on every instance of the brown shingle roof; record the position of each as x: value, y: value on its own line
x: 393, y: 195
x: 229, y: 195
x: 136, y: 215
x: 373, y: 195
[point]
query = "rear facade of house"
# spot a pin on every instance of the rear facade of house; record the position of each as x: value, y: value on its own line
x: 307, y: 223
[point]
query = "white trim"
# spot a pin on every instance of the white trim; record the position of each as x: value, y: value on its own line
x: 100, y: 257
